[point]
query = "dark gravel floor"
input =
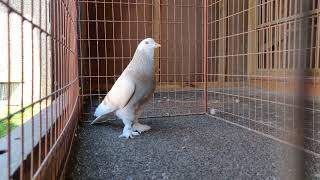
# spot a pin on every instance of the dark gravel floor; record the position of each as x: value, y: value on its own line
x: 271, y: 113
x: 184, y: 147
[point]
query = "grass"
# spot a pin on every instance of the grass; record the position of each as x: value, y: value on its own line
x: 16, y: 120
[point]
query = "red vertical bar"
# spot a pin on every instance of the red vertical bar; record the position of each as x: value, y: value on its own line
x: 62, y: 66
x: 40, y: 75
x: 68, y: 63
x: 64, y: 63
x: 167, y: 50
x: 205, y: 54
x: 121, y: 35
x: 182, y: 52
x: 22, y: 98
x: 80, y: 21
x: 174, y: 54
x: 60, y: 70
x: 8, y: 110
x: 105, y: 42
x: 97, y: 42
x: 46, y: 93
x: 189, y: 44
x: 129, y: 28
x: 89, y: 55
x: 59, y: 67
x: 52, y: 16
x: 113, y: 43
x: 55, y: 64
x: 32, y: 94
x: 195, y: 49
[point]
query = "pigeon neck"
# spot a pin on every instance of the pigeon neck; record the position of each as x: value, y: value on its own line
x: 147, y: 52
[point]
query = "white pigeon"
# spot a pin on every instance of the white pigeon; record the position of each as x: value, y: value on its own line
x: 132, y: 90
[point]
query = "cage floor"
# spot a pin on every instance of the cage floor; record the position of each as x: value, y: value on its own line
x: 183, y: 147
x: 270, y: 112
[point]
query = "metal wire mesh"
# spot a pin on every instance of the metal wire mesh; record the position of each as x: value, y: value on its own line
x: 235, y: 59
x: 256, y: 50
x: 109, y: 34
x: 39, y: 87
x: 253, y: 63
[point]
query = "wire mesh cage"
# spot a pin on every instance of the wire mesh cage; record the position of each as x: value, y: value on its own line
x: 236, y: 59
x: 39, y: 87
x: 110, y: 32
x: 251, y: 63
x: 268, y: 69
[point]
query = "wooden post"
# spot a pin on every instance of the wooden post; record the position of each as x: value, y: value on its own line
x: 222, y: 42
x: 252, y: 38
x: 156, y: 34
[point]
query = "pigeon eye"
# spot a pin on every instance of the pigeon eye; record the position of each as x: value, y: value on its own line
x: 147, y: 42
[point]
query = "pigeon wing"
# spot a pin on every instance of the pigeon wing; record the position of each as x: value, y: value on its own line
x: 121, y: 92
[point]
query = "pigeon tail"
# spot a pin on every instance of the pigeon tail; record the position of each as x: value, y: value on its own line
x: 102, y: 109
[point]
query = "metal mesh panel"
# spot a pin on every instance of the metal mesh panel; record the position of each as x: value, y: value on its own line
x: 38, y: 47
x: 237, y: 60
x: 109, y: 34
x: 252, y: 63
x: 257, y: 51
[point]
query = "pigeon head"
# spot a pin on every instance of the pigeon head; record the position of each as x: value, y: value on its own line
x: 148, y: 44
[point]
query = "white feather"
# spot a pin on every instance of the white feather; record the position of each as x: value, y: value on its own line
x: 102, y: 109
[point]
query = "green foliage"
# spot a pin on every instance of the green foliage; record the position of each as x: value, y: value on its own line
x: 16, y: 120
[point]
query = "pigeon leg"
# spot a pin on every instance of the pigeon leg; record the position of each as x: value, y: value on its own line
x: 139, y: 127
x: 127, y: 130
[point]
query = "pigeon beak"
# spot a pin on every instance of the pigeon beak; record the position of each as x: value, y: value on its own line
x: 157, y: 45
